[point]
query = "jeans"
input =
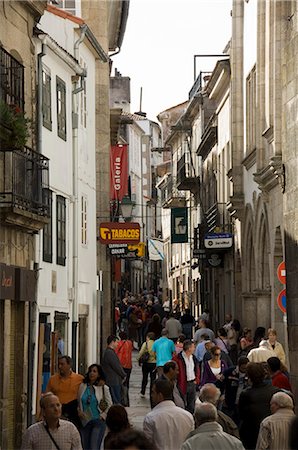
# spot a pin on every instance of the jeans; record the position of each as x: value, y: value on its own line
x: 148, y: 368
x: 125, y: 387
x: 116, y: 393
x: 92, y: 434
x: 190, y: 398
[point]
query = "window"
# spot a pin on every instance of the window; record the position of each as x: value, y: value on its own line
x: 11, y: 80
x: 61, y: 230
x: 47, y: 250
x: 83, y: 111
x: 46, y: 98
x: 84, y: 220
x: 67, y: 5
x: 61, y: 108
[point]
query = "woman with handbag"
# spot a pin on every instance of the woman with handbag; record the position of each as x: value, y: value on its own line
x: 147, y: 359
x: 94, y: 400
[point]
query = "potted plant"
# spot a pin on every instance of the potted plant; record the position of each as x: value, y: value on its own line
x: 14, y: 126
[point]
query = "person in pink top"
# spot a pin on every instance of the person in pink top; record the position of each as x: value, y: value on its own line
x: 124, y: 353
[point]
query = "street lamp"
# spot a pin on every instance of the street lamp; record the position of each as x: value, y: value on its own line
x: 126, y: 207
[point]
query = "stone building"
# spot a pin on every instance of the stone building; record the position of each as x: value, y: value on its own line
x: 23, y: 212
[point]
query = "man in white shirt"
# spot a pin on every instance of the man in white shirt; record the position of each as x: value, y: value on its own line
x: 167, y: 425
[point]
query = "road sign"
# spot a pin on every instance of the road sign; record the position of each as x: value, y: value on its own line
x: 282, y: 301
x: 281, y: 272
x: 218, y: 240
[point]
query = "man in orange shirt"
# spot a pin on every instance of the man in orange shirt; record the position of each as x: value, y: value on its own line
x: 65, y: 386
x: 124, y: 353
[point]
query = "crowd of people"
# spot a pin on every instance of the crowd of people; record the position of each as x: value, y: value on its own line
x: 227, y: 389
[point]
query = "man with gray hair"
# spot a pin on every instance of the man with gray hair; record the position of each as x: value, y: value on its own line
x: 209, y: 393
x: 261, y: 353
x: 210, y: 434
x: 274, y: 429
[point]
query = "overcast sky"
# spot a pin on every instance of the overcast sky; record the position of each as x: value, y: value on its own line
x: 161, y: 39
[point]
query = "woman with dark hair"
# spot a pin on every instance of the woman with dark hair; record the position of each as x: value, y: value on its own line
x: 94, y: 400
x: 155, y: 326
x: 117, y: 422
x: 213, y: 368
x: 131, y: 439
x: 233, y: 338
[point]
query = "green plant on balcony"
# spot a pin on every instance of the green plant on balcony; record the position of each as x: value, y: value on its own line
x: 14, y: 126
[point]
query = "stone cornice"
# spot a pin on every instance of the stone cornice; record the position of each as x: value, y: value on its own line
x: 271, y: 175
x: 36, y: 7
x: 250, y: 159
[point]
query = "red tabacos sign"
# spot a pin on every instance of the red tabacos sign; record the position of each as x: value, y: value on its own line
x: 119, y: 233
x: 118, y: 172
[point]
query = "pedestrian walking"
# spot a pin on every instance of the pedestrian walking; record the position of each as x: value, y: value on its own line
x: 131, y: 440
x: 274, y: 430
x: 203, y: 329
x: 174, y: 328
x: 112, y: 368
x: 188, y: 379
x: 65, y: 385
x: 155, y: 326
x: 52, y: 432
x: 261, y: 353
x: 117, y: 422
x: 94, y: 400
x: 254, y: 404
x: 211, y: 394
x: 164, y: 349
x: 124, y: 353
x: 147, y: 360
x: 209, y: 434
x: 279, y: 379
x: 170, y: 372
x: 167, y: 425
x: 213, y: 368
x: 276, y: 346
x: 188, y: 322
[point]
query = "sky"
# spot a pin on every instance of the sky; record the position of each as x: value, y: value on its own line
x: 160, y: 41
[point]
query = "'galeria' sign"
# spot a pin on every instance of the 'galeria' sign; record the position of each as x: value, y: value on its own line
x: 119, y: 233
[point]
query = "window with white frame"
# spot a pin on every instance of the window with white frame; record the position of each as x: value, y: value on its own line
x: 84, y: 205
x: 46, y: 98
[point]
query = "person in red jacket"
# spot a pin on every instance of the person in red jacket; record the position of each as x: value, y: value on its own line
x: 189, y: 374
x: 279, y: 379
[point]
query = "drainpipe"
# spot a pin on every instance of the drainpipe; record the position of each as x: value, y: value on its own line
x: 75, y: 144
x: 33, y: 305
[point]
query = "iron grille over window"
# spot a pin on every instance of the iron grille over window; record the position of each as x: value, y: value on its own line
x: 11, y: 80
x: 61, y: 229
x: 26, y: 175
x: 47, y: 253
x: 61, y: 108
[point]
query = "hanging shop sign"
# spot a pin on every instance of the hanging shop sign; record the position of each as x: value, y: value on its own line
x: 179, y: 225
x: 128, y: 251
x: 119, y: 233
x: 118, y: 172
x: 218, y: 240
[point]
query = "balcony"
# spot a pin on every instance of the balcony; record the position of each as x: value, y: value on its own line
x: 24, y: 184
x: 171, y: 197
x: 186, y: 177
x: 199, y: 84
x: 218, y: 218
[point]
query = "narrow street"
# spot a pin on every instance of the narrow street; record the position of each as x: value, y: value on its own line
x: 139, y: 406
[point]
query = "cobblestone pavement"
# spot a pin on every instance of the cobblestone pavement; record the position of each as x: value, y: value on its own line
x: 139, y: 406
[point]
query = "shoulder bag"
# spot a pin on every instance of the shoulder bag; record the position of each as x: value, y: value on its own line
x: 145, y: 356
x: 103, y: 404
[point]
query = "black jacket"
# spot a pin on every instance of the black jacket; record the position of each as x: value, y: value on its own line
x: 254, y: 406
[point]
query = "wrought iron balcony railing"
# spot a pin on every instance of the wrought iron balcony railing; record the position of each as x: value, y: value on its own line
x: 218, y: 217
x: 186, y: 177
x: 24, y: 181
x: 171, y: 197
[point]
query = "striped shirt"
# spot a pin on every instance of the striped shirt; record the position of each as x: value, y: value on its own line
x: 274, y: 430
x: 66, y: 436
